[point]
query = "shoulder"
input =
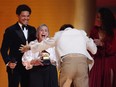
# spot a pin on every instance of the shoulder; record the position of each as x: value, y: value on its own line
x: 82, y: 31
x: 58, y: 34
x: 31, y: 27
x: 33, y: 42
x: 11, y: 28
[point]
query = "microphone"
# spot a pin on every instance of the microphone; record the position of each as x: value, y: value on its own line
x: 13, y: 61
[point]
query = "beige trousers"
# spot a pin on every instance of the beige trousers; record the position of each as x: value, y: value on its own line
x: 74, y: 70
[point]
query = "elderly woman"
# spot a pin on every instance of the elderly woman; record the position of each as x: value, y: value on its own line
x: 42, y: 65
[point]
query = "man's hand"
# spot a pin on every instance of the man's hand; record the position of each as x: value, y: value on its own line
x: 24, y: 48
x: 12, y: 65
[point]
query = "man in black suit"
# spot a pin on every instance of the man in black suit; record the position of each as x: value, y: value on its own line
x: 14, y: 36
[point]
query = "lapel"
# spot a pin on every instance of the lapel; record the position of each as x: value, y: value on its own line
x: 20, y: 33
x: 30, y: 30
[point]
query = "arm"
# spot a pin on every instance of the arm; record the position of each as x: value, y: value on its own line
x: 26, y: 58
x: 53, y: 57
x: 91, y: 46
x: 30, y: 59
x: 38, y: 47
x: 5, y: 47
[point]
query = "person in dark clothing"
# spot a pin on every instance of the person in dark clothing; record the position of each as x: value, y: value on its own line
x: 14, y: 36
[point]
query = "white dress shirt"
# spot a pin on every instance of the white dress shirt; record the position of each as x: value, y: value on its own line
x: 25, y: 31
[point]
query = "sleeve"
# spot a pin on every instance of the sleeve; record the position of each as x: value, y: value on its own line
x: 5, y: 46
x: 52, y: 54
x: 45, y: 44
x: 26, y: 58
x: 91, y: 46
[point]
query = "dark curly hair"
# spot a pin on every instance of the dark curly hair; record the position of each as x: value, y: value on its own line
x: 21, y: 8
x: 63, y: 27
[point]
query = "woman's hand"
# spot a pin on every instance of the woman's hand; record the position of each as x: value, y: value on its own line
x: 98, y: 42
x: 36, y: 62
x: 24, y: 48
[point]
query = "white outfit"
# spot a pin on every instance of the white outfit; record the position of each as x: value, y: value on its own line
x: 67, y: 42
x: 29, y: 55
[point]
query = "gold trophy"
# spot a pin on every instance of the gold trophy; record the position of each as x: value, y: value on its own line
x: 45, y: 57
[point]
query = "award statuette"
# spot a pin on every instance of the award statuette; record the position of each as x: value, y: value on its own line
x: 45, y: 57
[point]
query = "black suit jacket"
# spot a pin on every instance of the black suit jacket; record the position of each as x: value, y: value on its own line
x: 12, y: 40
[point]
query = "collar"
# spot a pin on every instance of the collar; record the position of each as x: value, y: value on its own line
x: 68, y: 28
x: 20, y: 25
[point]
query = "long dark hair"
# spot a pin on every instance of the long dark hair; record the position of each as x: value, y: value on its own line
x: 108, y: 21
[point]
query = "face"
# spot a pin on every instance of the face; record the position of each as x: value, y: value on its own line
x: 98, y: 20
x: 23, y: 18
x: 43, y: 33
